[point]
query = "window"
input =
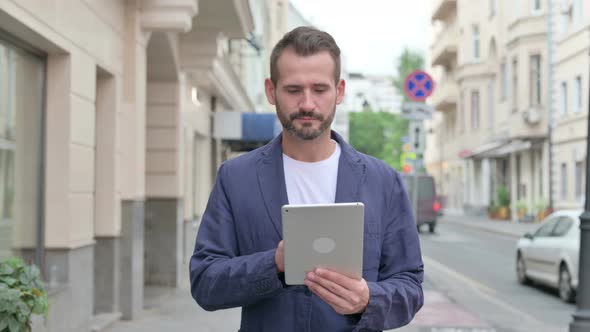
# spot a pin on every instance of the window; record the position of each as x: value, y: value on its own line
x: 504, y: 80
x: 535, y: 80
x: 565, y: 15
x: 563, y: 226
x: 537, y: 6
x: 493, y: 8
x: 475, y: 109
x: 21, y: 102
x: 578, y: 94
x: 547, y: 228
x: 579, y: 180
x: 563, y: 98
x: 563, y: 181
x: 476, y: 41
x: 514, y: 84
x: 577, y: 11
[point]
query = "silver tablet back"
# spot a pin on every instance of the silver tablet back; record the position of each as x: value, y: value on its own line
x: 323, y: 235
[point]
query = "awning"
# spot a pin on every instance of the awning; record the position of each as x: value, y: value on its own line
x: 512, y: 147
x: 504, y: 147
x: 482, y: 151
x: 244, y: 131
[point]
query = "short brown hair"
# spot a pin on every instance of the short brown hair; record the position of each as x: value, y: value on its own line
x: 305, y: 41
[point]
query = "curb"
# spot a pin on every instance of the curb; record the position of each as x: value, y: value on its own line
x: 483, y: 228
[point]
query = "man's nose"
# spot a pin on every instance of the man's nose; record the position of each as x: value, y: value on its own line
x: 307, y: 103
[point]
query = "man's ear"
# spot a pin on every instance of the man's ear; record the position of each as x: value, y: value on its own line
x: 340, y: 91
x: 269, y: 89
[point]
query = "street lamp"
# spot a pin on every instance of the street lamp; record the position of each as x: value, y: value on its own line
x: 581, y: 322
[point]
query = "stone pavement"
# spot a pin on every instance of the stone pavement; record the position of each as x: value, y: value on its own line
x: 172, y: 310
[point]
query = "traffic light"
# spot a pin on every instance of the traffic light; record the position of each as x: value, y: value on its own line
x: 407, y: 168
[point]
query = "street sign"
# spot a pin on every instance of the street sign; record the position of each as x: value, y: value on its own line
x: 417, y: 111
x: 418, y: 85
x: 417, y: 137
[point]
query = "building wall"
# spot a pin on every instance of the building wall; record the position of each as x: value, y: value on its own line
x: 128, y: 152
x: 511, y: 31
x: 571, y: 45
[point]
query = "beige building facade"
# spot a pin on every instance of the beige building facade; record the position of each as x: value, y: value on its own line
x: 571, y: 46
x: 107, y: 153
x: 493, y: 64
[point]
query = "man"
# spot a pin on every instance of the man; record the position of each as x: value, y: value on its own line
x: 238, y: 257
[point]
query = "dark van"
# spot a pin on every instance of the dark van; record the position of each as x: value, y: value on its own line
x: 422, y: 193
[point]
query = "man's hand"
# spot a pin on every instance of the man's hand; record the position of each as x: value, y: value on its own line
x: 345, y: 295
x: 279, y: 258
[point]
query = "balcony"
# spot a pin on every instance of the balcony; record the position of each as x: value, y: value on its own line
x: 444, y: 49
x: 443, y: 9
x: 446, y: 94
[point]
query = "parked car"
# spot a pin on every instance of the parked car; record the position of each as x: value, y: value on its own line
x: 422, y: 193
x: 550, y: 256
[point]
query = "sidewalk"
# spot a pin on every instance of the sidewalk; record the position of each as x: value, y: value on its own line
x: 173, y: 309
x: 501, y: 227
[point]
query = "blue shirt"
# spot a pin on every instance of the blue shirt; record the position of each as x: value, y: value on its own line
x: 233, y: 262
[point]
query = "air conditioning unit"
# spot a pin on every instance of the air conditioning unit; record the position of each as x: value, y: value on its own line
x: 532, y: 116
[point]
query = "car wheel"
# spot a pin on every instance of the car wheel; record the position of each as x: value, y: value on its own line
x: 566, y: 292
x: 521, y: 270
x: 431, y: 227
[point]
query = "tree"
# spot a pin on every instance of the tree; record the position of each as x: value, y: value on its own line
x: 407, y: 62
x: 378, y: 134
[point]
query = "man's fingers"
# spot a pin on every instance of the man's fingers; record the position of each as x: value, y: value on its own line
x: 334, y: 288
x: 339, y: 304
x: 337, y: 278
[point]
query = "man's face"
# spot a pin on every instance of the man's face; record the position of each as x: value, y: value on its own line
x: 305, y: 95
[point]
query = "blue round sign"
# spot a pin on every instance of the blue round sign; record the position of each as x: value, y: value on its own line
x: 418, y: 85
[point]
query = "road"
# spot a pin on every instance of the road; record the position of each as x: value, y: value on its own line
x: 475, y: 269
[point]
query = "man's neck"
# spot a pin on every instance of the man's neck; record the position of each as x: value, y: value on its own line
x: 310, y: 151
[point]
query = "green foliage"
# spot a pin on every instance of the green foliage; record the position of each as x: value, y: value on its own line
x: 521, y: 204
x: 541, y: 205
x: 503, y: 197
x: 493, y: 207
x: 378, y: 134
x: 407, y: 62
x: 21, y: 295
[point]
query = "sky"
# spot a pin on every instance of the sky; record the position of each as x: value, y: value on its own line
x: 372, y: 33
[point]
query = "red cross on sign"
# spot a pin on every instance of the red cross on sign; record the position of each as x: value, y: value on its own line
x: 418, y: 85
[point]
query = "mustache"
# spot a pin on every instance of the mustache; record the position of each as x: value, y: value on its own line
x: 310, y: 114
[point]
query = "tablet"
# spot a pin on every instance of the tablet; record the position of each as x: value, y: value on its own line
x: 322, y: 235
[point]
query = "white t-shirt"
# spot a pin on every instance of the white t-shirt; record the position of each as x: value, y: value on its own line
x: 312, y: 183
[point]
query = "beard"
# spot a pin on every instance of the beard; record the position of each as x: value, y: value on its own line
x: 307, y: 131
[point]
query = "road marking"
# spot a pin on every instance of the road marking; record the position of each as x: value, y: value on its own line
x: 481, y: 289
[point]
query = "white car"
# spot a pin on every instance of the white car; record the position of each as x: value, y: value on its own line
x: 550, y: 255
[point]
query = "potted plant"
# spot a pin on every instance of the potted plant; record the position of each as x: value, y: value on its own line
x: 22, y: 295
x: 542, y: 209
x: 521, y: 208
x: 503, y: 203
x: 493, y: 210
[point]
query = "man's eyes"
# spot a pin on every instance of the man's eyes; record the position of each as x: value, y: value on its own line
x: 316, y: 90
